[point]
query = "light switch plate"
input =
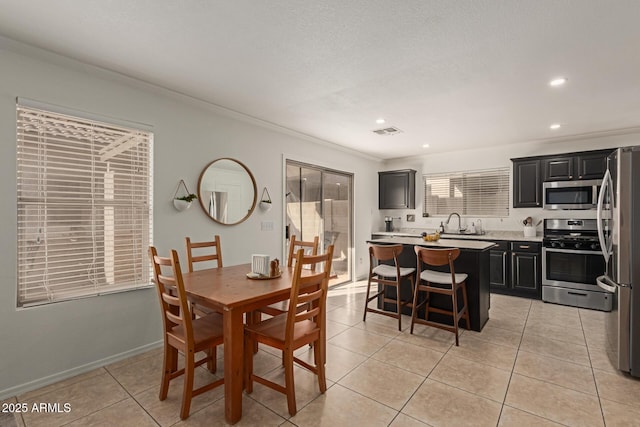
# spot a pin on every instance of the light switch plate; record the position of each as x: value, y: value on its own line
x: 266, y: 226
x: 411, y: 218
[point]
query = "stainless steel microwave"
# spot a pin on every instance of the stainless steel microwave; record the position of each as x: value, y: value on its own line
x: 571, y: 194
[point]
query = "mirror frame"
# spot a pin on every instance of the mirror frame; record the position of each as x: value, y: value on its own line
x: 255, y: 191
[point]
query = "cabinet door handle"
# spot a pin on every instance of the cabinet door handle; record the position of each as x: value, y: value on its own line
x: 577, y: 294
x: 570, y: 176
x: 524, y: 246
x: 504, y: 267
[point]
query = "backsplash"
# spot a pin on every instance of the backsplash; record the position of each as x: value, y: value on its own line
x: 511, y: 223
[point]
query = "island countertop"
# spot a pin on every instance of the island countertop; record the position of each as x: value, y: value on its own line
x: 487, y: 236
x: 475, y: 245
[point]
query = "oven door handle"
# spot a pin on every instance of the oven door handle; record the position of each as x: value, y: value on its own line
x: 571, y: 251
x: 609, y: 285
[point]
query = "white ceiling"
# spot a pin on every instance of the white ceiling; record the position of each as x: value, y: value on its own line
x: 455, y: 74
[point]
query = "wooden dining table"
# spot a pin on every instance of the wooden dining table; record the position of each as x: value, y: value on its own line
x: 229, y: 291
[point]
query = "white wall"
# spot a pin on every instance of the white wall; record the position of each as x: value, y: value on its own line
x: 47, y: 343
x: 489, y: 158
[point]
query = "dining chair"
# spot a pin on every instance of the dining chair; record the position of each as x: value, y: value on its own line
x: 295, y: 328
x: 387, y: 275
x: 445, y: 283
x: 309, y: 248
x: 195, y: 255
x: 181, y: 332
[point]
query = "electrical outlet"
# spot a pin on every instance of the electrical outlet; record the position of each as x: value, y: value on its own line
x: 411, y: 218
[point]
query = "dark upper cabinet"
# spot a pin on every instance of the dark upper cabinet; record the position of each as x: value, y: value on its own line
x: 589, y: 165
x: 397, y: 189
x: 558, y: 168
x: 592, y: 166
x: 527, y: 184
x: 530, y: 172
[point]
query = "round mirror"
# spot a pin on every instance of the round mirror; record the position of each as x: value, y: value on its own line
x: 227, y: 191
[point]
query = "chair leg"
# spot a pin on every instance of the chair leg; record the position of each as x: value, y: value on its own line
x: 366, y: 300
x: 466, y: 306
x: 426, y: 304
x: 212, y: 360
x: 399, y: 306
x: 414, y: 309
x: 189, y: 368
x: 289, y: 383
x: 454, y: 312
x: 169, y: 365
x: 318, y: 354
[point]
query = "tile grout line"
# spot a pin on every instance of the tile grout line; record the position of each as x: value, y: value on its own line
x: 593, y: 375
x: 132, y: 397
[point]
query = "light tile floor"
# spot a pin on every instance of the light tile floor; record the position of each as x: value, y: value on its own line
x: 533, y: 364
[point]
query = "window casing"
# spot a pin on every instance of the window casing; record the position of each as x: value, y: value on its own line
x: 483, y: 193
x: 84, y: 199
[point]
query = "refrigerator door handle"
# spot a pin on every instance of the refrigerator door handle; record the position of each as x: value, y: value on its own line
x: 606, y: 183
x: 609, y: 285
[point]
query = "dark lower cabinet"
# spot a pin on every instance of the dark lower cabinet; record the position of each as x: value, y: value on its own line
x: 515, y: 269
x: 499, y: 266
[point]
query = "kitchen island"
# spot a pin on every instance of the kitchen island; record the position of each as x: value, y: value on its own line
x: 473, y: 260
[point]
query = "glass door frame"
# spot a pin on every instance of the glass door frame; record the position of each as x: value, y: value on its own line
x: 290, y: 161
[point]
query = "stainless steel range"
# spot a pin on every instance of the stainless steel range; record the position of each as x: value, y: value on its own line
x: 571, y: 262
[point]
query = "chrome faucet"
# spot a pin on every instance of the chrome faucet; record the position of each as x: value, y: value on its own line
x: 460, y: 229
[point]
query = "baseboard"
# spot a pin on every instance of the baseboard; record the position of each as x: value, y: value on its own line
x: 41, y: 382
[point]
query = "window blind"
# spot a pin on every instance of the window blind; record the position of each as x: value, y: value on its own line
x: 475, y: 193
x: 84, y: 199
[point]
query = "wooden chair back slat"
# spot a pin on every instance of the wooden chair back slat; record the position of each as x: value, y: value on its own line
x: 310, y: 248
x: 385, y: 252
x: 437, y: 257
x: 193, y: 257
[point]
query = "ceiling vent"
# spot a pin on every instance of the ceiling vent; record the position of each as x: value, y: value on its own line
x: 387, y: 131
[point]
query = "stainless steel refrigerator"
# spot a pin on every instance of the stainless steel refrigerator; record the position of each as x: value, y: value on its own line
x: 618, y: 218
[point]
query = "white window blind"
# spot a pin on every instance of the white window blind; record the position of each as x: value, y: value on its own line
x: 475, y: 193
x: 84, y: 197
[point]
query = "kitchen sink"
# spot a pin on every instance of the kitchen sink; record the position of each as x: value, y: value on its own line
x: 460, y: 233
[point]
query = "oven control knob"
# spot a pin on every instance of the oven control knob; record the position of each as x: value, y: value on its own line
x: 562, y: 245
x: 594, y: 246
x: 578, y: 245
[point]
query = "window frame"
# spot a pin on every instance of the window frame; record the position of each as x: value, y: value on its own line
x: 64, y: 164
x: 497, y: 178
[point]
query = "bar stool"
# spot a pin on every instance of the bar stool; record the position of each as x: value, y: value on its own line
x: 387, y: 275
x: 446, y: 283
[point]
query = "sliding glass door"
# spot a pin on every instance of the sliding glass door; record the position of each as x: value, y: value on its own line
x: 319, y: 203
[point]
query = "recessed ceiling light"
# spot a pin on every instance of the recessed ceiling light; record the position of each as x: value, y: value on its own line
x: 380, y: 121
x: 555, y: 126
x: 425, y: 146
x: 558, y: 81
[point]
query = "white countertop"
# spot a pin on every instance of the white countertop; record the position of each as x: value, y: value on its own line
x: 442, y: 243
x: 487, y: 236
